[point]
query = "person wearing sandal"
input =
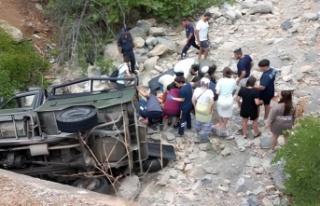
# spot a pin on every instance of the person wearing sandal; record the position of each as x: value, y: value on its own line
x: 203, y: 100
x: 281, y: 118
x: 170, y: 107
x: 249, y: 107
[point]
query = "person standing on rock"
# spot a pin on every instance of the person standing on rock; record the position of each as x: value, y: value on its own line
x: 250, y: 107
x: 185, y: 99
x: 191, y: 39
x: 203, y: 100
x: 281, y: 117
x: 244, y: 68
x: 125, y: 47
x: 266, y: 86
x: 225, y: 89
x: 202, y: 35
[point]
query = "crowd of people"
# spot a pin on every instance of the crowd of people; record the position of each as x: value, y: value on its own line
x: 192, y: 90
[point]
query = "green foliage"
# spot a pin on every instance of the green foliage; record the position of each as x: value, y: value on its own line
x: 302, y: 157
x: 20, y: 65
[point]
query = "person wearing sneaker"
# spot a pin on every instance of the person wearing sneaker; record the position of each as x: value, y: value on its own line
x: 150, y: 109
x: 191, y: 40
x: 266, y: 86
x: 203, y: 100
x: 202, y: 35
x: 185, y: 99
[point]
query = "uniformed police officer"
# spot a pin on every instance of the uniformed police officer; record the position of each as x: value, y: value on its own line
x: 125, y: 47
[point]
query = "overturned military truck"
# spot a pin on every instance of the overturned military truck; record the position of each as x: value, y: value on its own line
x: 78, y: 138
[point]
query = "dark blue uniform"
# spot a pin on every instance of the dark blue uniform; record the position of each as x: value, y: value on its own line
x: 191, y: 42
x: 125, y: 42
x: 185, y: 107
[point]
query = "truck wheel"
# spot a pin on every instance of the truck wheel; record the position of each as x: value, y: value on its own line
x: 153, y: 164
x: 99, y: 185
x: 77, y: 119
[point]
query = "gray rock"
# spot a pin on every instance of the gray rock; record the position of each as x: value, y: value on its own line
x: 145, y: 25
x: 265, y: 142
x: 129, y: 187
x: 211, y: 170
x: 231, y: 15
x: 204, y: 147
x: 192, y: 156
x: 111, y: 52
x: 226, y: 151
x: 259, y: 190
x: 138, y: 32
x: 267, y: 202
x: 158, y: 50
x: 286, y: 25
x: 150, y: 63
x: 151, y: 41
x: 169, y: 43
x: 157, y: 31
x: 164, y: 179
x: 169, y: 136
x: 138, y: 42
x: 254, y: 162
x: 275, y: 61
x: 14, y: 32
x: 311, y: 56
x: 141, y: 59
x: 253, y: 200
x: 262, y: 7
x: 240, y: 185
x: 310, y: 16
x: 206, y: 180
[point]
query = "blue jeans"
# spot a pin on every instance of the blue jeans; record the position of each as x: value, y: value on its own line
x: 185, y: 120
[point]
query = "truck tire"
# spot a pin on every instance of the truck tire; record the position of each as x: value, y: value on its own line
x: 153, y: 164
x: 77, y: 119
x: 99, y: 184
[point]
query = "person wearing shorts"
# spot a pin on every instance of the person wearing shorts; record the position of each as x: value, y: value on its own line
x: 202, y: 35
x: 266, y: 86
x: 250, y: 107
x: 244, y: 66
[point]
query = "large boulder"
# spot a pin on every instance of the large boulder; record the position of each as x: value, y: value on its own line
x: 158, y: 50
x: 310, y: 16
x: 151, y: 41
x: 157, y: 31
x: 262, y: 7
x: 149, y: 64
x: 138, y: 42
x: 169, y: 43
x: 145, y: 25
x: 15, y: 33
x: 111, y: 52
x: 138, y: 32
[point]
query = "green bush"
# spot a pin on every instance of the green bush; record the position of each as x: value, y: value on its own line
x: 302, y: 157
x: 20, y: 65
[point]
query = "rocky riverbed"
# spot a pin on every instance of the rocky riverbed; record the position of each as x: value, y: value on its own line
x: 232, y: 171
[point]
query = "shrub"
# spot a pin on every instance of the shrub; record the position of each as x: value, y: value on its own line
x: 302, y: 157
x: 20, y: 65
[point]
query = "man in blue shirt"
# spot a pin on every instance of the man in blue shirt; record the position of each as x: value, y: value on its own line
x: 125, y: 47
x: 266, y: 86
x: 191, y: 40
x: 185, y: 99
x: 244, y: 67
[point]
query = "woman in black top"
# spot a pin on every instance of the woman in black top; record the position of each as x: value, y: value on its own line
x: 249, y: 107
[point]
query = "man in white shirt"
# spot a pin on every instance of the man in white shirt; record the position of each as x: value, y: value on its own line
x: 202, y: 35
x: 187, y: 68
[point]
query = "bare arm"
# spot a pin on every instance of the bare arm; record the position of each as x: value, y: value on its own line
x: 259, y: 87
x: 197, y: 35
x: 142, y: 92
x: 258, y: 101
x: 243, y: 74
x: 178, y: 99
x: 211, y: 103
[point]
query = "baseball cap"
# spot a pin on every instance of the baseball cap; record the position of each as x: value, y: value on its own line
x: 208, y: 14
x: 205, y: 80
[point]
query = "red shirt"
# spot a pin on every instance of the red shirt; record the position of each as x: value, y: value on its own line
x: 172, y: 107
